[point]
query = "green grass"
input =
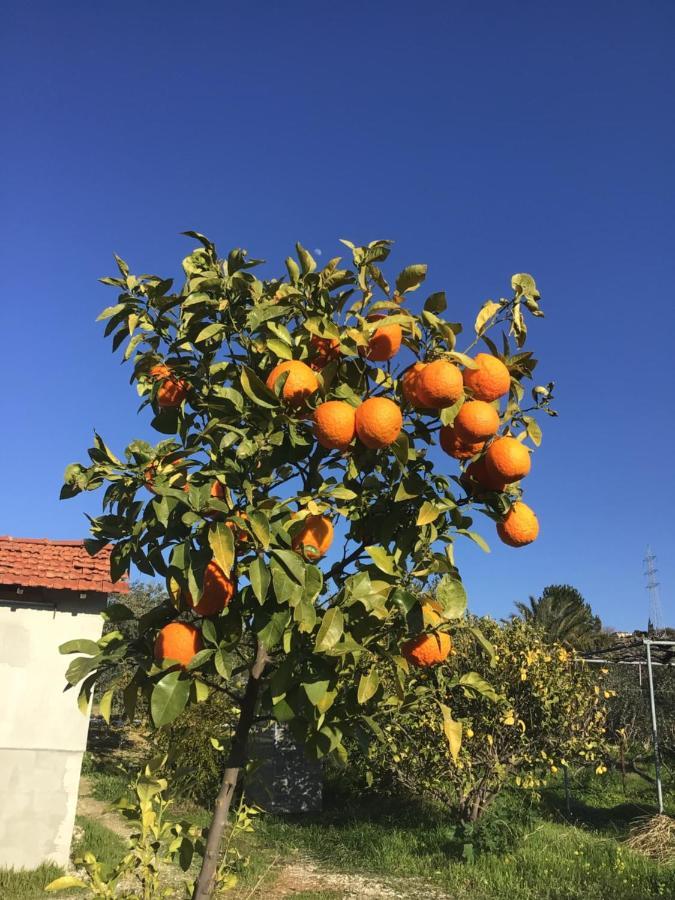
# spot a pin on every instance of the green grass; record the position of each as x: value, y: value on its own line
x: 551, y: 860
x: 107, y: 847
x: 20, y: 884
x: 540, y: 852
x: 109, y: 786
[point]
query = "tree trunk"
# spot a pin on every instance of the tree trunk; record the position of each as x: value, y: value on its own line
x: 235, y: 762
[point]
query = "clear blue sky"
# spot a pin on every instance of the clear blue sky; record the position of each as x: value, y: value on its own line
x: 486, y: 139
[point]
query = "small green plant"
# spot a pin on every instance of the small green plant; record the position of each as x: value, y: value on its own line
x: 158, y: 842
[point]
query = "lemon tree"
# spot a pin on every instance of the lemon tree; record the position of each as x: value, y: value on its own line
x: 526, y: 712
x: 289, y: 536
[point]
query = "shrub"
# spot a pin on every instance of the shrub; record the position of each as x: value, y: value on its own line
x: 196, y: 765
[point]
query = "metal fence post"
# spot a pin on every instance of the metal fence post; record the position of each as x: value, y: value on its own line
x: 657, y: 760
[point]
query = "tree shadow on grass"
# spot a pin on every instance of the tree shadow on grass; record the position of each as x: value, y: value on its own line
x: 376, y: 828
x: 615, y: 820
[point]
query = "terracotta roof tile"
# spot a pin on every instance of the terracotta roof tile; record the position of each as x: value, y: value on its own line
x: 38, y: 562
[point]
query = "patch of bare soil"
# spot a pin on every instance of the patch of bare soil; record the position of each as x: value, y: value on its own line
x: 303, y: 876
x: 89, y: 806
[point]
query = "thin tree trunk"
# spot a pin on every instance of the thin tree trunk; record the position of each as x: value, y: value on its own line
x: 236, y: 761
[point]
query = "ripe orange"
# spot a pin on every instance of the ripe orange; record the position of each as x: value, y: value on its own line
x: 300, y: 384
x: 476, y: 421
x: 385, y: 341
x: 519, y: 526
x: 455, y: 446
x: 479, y: 473
x: 159, y: 372
x: 335, y: 424
x: 508, y: 459
x: 439, y: 384
x: 218, y: 490
x: 378, y: 422
x: 427, y: 649
x: 217, y: 591
x: 178, y: 641
x: 490, y: 381
x: 172, y: 391
x: 314, y: 538
x: 409, y: 384
x: 327, y: 349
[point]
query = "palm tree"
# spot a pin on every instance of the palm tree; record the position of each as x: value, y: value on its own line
x: 564, y: 616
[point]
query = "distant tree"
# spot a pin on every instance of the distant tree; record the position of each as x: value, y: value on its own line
x: 563, y: 616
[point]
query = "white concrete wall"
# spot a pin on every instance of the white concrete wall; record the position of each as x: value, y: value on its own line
x: 43, y: 734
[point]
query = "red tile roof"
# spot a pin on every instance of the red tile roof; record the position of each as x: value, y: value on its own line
x: 62, y: 565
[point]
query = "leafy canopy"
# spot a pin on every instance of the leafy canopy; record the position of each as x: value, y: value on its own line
x: 237, y: 471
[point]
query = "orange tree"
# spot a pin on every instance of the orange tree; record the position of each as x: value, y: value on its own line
x: 295, y: 409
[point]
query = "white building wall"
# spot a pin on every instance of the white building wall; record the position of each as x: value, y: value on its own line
x: 43, y: 734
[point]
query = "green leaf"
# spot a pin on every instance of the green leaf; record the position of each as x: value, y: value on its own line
x: 117, y: 612
x: 463, y: 359
x: 261, y: 528
x: 79, y: 668
x: 210, y: 332
x: 484, y: 642
x: 105, y: 705
x: 436, y: 303
x: 331, y: 630
x: 487, y: 311
x: 292, y: 563
x: 82, y: 645
x: 221, y: 541
x: 307, y: 262
x: 451, y: 594
x: 305, y: 615
x: 223, y: 663
x: 169, y: 698
x: 411, y: 278
x: 403, y: 599
x: 256, y: 390
x: 259, y: 576
x: 279, y: 348
x: 286, y: 589
x: 401, y: 447
x: 313, y: 583
x: 476, y: 538
x: 368, y: 685
x: 478, y: 685
x: 199, y: 659
x: 293, y: 269
x: 316, y: 691
x: 270, y: 634
x: 428, y: 513
x: 111, y: 311
x: 449, y: 413
x: 534, y: 432
x: 65, y: 882
x: 383, y: 561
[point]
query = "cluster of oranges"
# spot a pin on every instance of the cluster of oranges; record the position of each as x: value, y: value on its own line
x: 498, y: 461
x: 377, y: 422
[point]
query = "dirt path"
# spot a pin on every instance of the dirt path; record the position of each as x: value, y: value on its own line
x: 99, y: 810
x: 303, y: 876
x: 284, y: 878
